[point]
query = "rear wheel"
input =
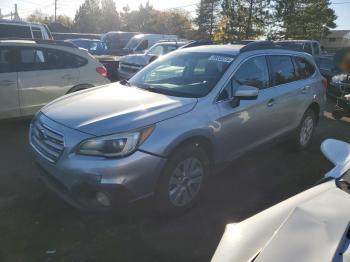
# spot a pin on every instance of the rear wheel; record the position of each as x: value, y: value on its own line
x: 183, y: 180
x: 305, y: 130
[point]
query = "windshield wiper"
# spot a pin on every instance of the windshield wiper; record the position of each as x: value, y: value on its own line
x: 125, y: 82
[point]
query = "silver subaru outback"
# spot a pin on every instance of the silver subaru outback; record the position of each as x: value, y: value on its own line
x: 163, y: 132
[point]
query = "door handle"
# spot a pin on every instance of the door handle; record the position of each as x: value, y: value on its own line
x: 271, y: 102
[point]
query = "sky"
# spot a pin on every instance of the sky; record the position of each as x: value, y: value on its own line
x: 69, y: 7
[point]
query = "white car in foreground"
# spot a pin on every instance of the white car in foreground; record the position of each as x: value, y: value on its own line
x: 311, y: 226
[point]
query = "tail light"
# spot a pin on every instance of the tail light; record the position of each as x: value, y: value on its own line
x: 325, y: 84
x: 102, y: 71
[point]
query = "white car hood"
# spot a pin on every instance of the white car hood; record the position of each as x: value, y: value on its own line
x: 307, y: 227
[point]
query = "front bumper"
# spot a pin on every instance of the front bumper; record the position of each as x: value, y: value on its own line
x: 77, y: 179
x: 338, y: 89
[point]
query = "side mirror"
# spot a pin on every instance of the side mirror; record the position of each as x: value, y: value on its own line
x: 246, y: 93
x: 336, y: 151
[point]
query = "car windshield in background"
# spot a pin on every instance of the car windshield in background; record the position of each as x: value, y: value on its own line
x: 133, y: 43
x: 184, y: 74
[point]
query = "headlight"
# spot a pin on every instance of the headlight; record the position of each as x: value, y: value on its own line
x: 117, y: 145
x: 339, y: 78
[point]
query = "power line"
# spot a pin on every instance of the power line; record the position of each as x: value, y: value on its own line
x: 341, y: 3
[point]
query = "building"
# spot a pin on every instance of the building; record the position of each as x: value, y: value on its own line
x: 336, y: 39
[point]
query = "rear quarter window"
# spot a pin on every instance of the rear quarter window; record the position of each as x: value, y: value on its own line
x: 304, y: 68
x: 37, y: 33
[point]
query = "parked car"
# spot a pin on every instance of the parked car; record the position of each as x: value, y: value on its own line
x: 328, y: 67
x: 139, y: 43
x: 24, y: 30
x: 311, y: 47
x: 116, y: 41
x: 66, y: 36
x: 181, y: 117
x: 311, y: 226
x: 93, y: 46
x: 340, y: 82
x: 131, y: 64
x: 33, y: 73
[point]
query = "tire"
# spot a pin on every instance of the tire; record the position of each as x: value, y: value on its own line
x: 177, y: 190
x: 337, y: 114
x: 305, y: 130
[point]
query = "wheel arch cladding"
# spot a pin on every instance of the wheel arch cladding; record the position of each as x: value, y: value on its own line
x: 316, y: 108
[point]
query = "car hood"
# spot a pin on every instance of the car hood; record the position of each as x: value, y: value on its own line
x: 137, y: 59
x: 308, y: 227
x: 115, y: 108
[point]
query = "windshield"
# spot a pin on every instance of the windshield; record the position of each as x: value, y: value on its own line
x: 132, y: 44
x: 183, y: 74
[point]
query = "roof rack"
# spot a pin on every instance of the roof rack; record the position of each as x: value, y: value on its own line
x: 41, y: 41
x: 257, y: 45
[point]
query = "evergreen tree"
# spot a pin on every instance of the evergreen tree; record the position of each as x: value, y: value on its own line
x: 110, y: 20
x: 243, y: 19
x: 207, y: 18
x: 304, y: 19
x: 88, y: 17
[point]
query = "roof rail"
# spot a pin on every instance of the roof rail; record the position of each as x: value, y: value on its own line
x: 257, y: 45
x: 41, y: 41
x: 55, y: 42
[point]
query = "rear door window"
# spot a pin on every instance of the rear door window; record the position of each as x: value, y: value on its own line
x: 19, y: 31
x: 32, y: 59
x: 6, y: 60
x: 282, y: 69
x: 253, y: 72
x: 304, y: 68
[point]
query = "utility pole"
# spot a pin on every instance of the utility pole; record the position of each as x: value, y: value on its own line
x: 55, y: 9
x: 16, y: 16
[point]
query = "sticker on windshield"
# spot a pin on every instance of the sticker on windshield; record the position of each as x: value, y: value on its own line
x: 218, y: 58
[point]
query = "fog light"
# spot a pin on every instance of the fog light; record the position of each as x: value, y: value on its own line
x: 103, y: 199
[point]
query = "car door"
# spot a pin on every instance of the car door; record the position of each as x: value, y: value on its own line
x: 252, y: 122
x: 9, y: 104
x: 44, y: 74
x: 290, y: 89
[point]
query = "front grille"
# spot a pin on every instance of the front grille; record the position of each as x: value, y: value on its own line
x: 46, y: 141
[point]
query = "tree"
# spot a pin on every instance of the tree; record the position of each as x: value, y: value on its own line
x: 243, y: 19
x: 63, y: 23
x: 110, y: 20
x: 206, y: 20
x: 307, y: 19
x: 88, y: 17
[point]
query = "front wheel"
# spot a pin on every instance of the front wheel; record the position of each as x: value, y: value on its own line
x: 182, y: 181
x: 305, y: 130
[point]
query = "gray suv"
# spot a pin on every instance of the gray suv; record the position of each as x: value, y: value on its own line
x: 163, y: 132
